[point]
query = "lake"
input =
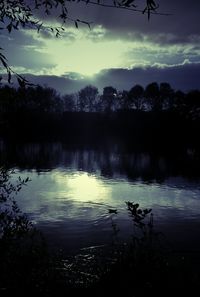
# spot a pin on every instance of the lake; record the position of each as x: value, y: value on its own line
x: 72, y: 189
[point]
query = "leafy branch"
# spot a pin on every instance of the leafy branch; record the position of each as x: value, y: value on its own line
x: 22, y: 13
x: 22, y: 81
x: 12, y: 220
x: 150, y: 7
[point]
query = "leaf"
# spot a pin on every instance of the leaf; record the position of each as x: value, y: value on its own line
x: 1, y: 55
x: 9, y: 27
x: 21, y: 82
x: 4, y: 63
x: 136, y: 205
x: 39, y: 27
x: 9, y: 77
x: 128, y: 3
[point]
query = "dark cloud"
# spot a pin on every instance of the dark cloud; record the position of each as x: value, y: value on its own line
x: 166, y: 40
x: 172, y: 39
x: 62, y: 84
x: 179, y: 28
x: 183, y: 19
x: 184, y: 77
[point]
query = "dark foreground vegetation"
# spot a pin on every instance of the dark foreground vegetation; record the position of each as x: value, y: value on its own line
x: 146, y: 264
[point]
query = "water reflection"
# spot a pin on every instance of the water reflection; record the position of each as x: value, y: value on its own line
x: 109, y: 160
x: 71, y: 190
x: 71, y: 207
x: 80, y: 185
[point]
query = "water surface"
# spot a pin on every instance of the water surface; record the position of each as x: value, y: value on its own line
x: 71, y: 191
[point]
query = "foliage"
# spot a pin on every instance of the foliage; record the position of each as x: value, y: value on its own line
x: 146, y: 264
x: 155, y: 97
x: 146, y: 244
x: 12, y: 221
x: 108, y: 99
x: 87, y: 98
x: 139, y: 214
x: 22, y: 13
x: 69, y: 102
x: 145, y: 239
x: 37, y: 99
x: 136, y: 97
x: 167, y: 95
x: 26, y: 263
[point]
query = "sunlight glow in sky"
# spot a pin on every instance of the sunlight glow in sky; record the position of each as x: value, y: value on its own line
x: 121, y: 49
x: 87, y: 52
x: 85, y: 57
x: 81, y: 53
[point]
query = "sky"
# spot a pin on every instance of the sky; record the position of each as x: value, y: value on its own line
x: 122, y: 48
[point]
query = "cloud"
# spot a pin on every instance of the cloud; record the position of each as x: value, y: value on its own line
x: 182, y: 21
x: 97, y: 34
x: 25, y: 53
x: 88, y: 52
x: 71, y: 83
x: 122, y: 47
x: 184, y: 76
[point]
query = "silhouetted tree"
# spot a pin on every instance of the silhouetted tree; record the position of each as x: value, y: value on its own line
x: 179, y: 101
x: 87, y: 98
x: 192, y: 104
x: 8, y: 99
x: 152, y: 94
x: 45, y: 99
x: 69, y: 102
x: 167, y: 95
x: 193, y: 99
x: 33, y: 99
x: 124, y: 102
x: 109, y: 99
x: 136, y: 97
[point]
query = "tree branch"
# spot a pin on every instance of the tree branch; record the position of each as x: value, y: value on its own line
x: 124, y: 7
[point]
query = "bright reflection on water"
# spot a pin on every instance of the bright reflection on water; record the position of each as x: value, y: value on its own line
x: 71, y: 207
x: 81, y: 186
x: 72, y: 188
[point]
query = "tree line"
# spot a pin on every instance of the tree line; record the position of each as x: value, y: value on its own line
x: 154, y: 98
